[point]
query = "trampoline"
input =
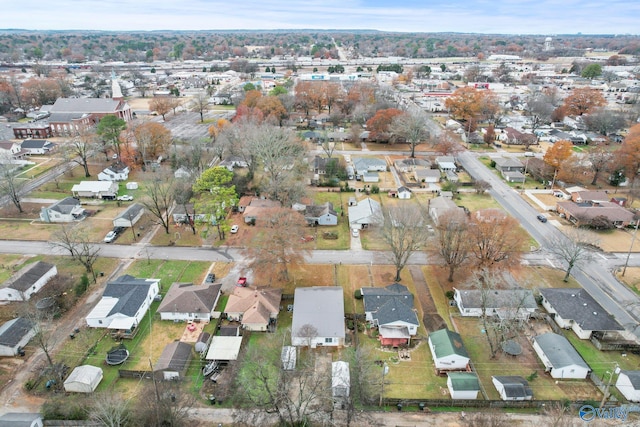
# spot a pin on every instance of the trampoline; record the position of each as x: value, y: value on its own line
x: 512, y: 348
x: 117, y: 355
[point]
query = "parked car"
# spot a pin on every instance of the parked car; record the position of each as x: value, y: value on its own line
x: 234, y: 229
x: 242, y: 281
x: 125, y: 198
x: 355, y: 232
x: 118, y: 230
x: 542, y: 218
x: 210, y: 278
x: 110, y: 237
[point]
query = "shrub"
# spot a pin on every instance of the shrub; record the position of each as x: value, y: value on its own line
x: 375, y: 189
x: 82, y: 286
x: 449, y: 294
x: 357, y: 294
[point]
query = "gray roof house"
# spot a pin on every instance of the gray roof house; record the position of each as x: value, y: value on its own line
x: 441, y: 206
x: 65, y: 210
x: 512, y: 387
x: 321, y: 214
x: 559, y: 357
x: 365, y: 213
x: 37, y: 146
x: 429, y: 176
x: 21, y: 419
x: 411, y: 164
x: 186, y: 301
x: 124, y: 303
x: 28, y: 281
x: 576, y: 309
x: 446, y: 163
x: 318, y: 317
x: 15, y: 334
x: 173, y: 361
x: 129, y: 216
x: 391, y: 310
x: 506, y: 304
x: 368, y: 164
x: 508, y: 164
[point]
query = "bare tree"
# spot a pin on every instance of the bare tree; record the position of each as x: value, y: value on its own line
x: 199, y: 104
x: 481, y: 186
x: 605, y: 121
x: 11, y: 184
x: 574, y: 248
x: 453, y: 240
x: 159, y: 199
x: 600, y: 160
x: 412, y: 126
x: 405, y: 232
x: 496, y: 239
x: 164, y: 403
x: 75, y: 240
x: 81, y: 148
x: 42, y: 322
x: 110, y: 410
x: 182, y: 194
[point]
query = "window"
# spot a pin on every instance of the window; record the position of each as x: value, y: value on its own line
x: 328, y: 340
x: 100, y: 322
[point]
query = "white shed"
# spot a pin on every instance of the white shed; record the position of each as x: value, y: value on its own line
x: 463, y: 385
x: 83, y: 379
x: 132, y: 185
x: 628, y: 383
x: 340, y: 379
x: 559, y: 357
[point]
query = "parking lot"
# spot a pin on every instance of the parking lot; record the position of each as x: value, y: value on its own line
x: 185, y: 125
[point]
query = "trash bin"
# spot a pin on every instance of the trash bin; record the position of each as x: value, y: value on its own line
x: 212, y: 399
x: 102, y: 274
x: 399, y: 406
x: 421, y: 405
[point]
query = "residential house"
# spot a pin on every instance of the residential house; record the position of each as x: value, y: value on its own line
x: 512, y: 387
x: 318, y: 317
x: 11, y: 152
x: 21, y: 419
x: 362, y: 165
x: 15, y: 334
x: 451, y: 176
x: 411, y: 164
x: 258, y: 209
x: 254, y: 308
x: 129, y: 216
x: 173, y: 362
x: 185, y: 213
x: 244, y: 202
x: 559, y: 357
x: 448, y: 351
x: 321, y: 214
x: 628, y: 383
x: 403, y: 193
x: 391, y: 310
x: 369, y: 177
x: 367, y: 212
x: 27, y: 281
x: 116, y: 172
x: 446, y: 163
x: 37, y: 146
x: 508, y: 164
x: 441, y: 207
x: 586, y: 196
x: 65, y: 210
x: 585, y: 213
x: 507, y: 304
x: 340, y: 380
x: 188, y: 302
x: 124, y: 303
x: 232, y: 162
x: 463, y: 385
x: 511, y: 136
x: 427, y: 176
x: 83, y: 379
x: 575, y: 309
x: 321, y: 164
x: 95, y: 189
x: 514, y: 176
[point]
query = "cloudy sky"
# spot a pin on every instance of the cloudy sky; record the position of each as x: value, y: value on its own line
x: 482, y: 16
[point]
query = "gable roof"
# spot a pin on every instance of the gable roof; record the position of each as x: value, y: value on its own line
x: 366, y: 211
x: 514, y: 386
x: 507, y: 162
x: 613, y: 211
x: 118, y: 167
x: 257, y: 305
x: 499, y: 298
x: 315, y: 211
x: 66, y: 205
x: 559, y: 351
x: 12, y: 332
x: 174, y: 357
x: 577, y: 305
x: 390, y: 304
x: 464, y: 381
x: 367, y: 162
x: 321, y: 307
x: 190, y: 298
x: 93, y: 186
x: 28, y: 276
x: 446, y: 343
x: 131, y: 212
x: 634, y: 378
x: 84, y: 105
x: 130, y: 292
x: 36, y: 143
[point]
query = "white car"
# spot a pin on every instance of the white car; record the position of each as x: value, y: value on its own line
x: 125, y: 198
x: 110, y: 237
x: 234, y: 229
x: 355, y: 232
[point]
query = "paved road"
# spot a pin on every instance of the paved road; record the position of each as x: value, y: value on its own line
x: 595, y: 277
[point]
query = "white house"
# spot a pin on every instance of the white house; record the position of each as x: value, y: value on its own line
x: 365, y: 213
x: 391, y: 310
x: 124, y: 303
x: 321, y: 214
x: 340, y: 379
x: 628, y: 383
x: 404, y: 193
x: 318, y: 317
x: 512, y: 387
x: 575, y: 309
x: 65, y: 210
x: 363, y: 165
x: 463, y: 385
x: 129, y: 216
x: 427, y: 176
x: 96, y: 189
x: 14, y: 335
x: 187, y: 302
x: 446, y: 163
x: 559, y: 357
x: 116, y: 172
x: 37, y: 146
x: 83, y: 379
x: 28, y: 281
x: 506, y: 304
x: 448, y: 351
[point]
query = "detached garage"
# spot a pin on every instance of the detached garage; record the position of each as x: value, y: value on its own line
x: 83, y: 379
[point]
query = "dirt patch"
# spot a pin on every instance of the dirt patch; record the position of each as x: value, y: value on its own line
x: 139, y: 103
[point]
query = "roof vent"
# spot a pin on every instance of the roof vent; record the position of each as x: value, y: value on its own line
x: 585, y: 304
x: 595, y: 313
x: 573, y: 295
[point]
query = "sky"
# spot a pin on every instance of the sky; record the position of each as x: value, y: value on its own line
x: 482, y: 16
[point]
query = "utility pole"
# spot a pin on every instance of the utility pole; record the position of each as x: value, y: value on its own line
x: 606, y: 389
x: 385, y: 368
x: 633, y: 239
x: 155, y: 385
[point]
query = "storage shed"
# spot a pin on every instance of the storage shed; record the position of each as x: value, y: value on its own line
x: 83, y: 379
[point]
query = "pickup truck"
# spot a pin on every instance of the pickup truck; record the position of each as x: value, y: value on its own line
x: 242, y: 281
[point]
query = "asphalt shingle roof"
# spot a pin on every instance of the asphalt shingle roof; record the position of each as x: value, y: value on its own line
x: 28, y: 275
x: 130, y: 292
x: 559, y: 351
x: 577, y: 305
x: 13, y: 331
